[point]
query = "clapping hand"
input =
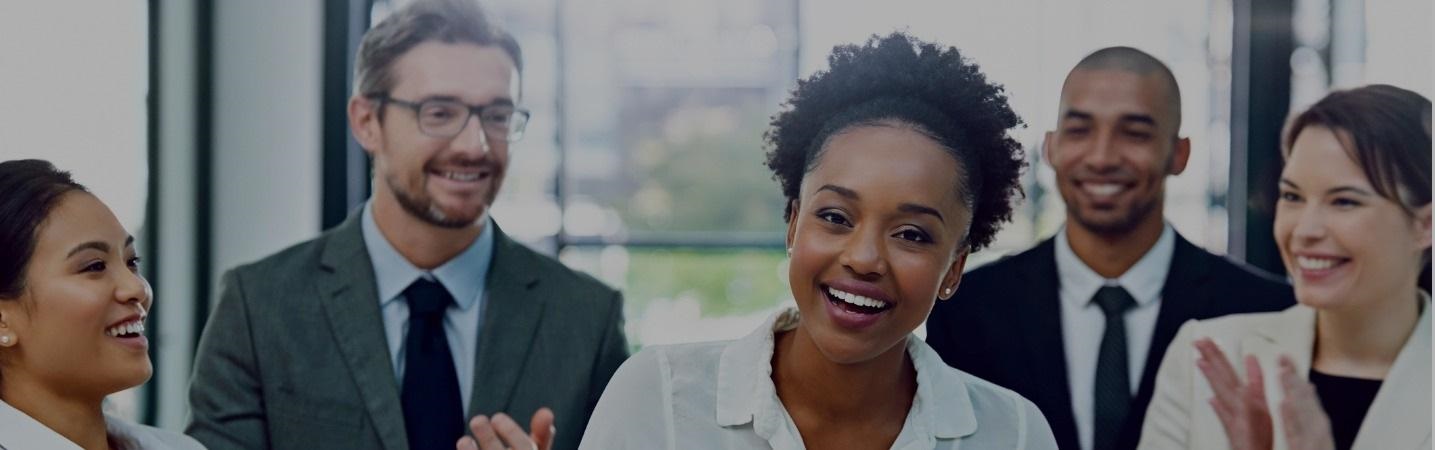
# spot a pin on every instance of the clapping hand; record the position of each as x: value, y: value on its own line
x: 502, y: 433
x: 1306, y: 425
x: 1242, y: 408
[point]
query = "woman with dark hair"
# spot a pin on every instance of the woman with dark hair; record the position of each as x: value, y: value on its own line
x: 1352, y: 360
x: 72, y: 311
x: 896, y: 164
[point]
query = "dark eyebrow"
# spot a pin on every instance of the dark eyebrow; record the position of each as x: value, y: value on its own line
x: 434, y: 98
x: 1139, y: 118
x: 851, y: 194
x: 905, y: 207
x: 1334, y: 190
x: 92, y: 245
x: 1350, y: 189
x: 98, y: 245
x: 501, y: 101
x: 920, y: 209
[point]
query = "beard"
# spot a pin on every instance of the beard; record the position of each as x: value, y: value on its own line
x: 1124, y: 221
x: 420, y: 205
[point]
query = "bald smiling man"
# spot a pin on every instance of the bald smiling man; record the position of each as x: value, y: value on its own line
x: 1079, y: 323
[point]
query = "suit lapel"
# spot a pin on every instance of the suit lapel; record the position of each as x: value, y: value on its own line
x: 1399, y: 417
x: 511, y: 315
x: 1042, y: 337
x: 1181, y: 300
x: 350, y: 302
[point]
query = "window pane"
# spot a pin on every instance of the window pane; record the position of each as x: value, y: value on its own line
x: 680, y: 295
x: 666, y: 103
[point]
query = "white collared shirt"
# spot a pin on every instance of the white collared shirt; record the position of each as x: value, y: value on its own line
x: 19, y: 431
x: 720, y: 395
x: 1083, y: 323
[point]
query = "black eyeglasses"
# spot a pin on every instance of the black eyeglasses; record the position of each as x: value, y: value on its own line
x: 446, y: 118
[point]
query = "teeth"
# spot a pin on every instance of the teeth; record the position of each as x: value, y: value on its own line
x: 856, y: 299
x: 461, y: 176
x: 1315, y: 263
x: 136, y: 327
x: 1103, y: 189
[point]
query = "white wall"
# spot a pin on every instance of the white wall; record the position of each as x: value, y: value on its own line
x: 74, y: 76
x: 1399, y: 44
x: 266, y: 127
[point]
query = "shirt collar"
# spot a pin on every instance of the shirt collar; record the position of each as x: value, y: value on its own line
x: 465, y: 276
x: 1143, y: 280
x: 942, y: 397
x: 18, y: 431
x: 746, y: 394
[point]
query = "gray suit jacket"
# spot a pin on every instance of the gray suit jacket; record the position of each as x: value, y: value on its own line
x: 294, y: 354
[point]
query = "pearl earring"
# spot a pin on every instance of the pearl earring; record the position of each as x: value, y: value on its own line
x: 789, y: 252
x: 5, y: 340
x: 947, y: 291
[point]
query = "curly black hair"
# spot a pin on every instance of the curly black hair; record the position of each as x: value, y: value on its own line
x: 933, y: 89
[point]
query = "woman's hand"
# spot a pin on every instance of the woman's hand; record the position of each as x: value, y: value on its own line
x: 1242, y: 408
x: 502, y: 433
x: 1306, y: 425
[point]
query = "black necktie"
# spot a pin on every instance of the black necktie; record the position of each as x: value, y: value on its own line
x: 433, y: 409
x: 1113, y: 385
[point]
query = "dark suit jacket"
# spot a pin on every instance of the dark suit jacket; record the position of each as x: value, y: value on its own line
x: 1004, y: 324
x: 294, y: 354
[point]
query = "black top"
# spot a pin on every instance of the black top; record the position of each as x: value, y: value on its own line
x: 1346, y: 401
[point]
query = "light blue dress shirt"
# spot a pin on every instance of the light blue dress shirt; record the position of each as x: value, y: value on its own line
x: 465, y: 276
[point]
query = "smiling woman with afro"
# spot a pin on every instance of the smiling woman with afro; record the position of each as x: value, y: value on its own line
x: 934, y: 88
x: 896, y: 165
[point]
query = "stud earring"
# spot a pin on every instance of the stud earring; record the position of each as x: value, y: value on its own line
x: 789, y: 252
x: 947, y: 291
x: 5, y: 340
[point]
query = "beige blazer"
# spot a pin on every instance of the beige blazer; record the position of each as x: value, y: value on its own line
x: 1180, y: 417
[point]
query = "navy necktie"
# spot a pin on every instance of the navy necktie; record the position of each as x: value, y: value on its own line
x: 1112, y: 390
x: 433, y: 407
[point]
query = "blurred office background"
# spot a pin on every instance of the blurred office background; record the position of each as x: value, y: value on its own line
x: 216, y: 129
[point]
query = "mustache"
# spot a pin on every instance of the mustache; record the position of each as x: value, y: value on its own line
x: 1120, y: 175
x: 463, y: 163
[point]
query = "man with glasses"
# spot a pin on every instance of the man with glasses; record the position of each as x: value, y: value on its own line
x: 417, y: 320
